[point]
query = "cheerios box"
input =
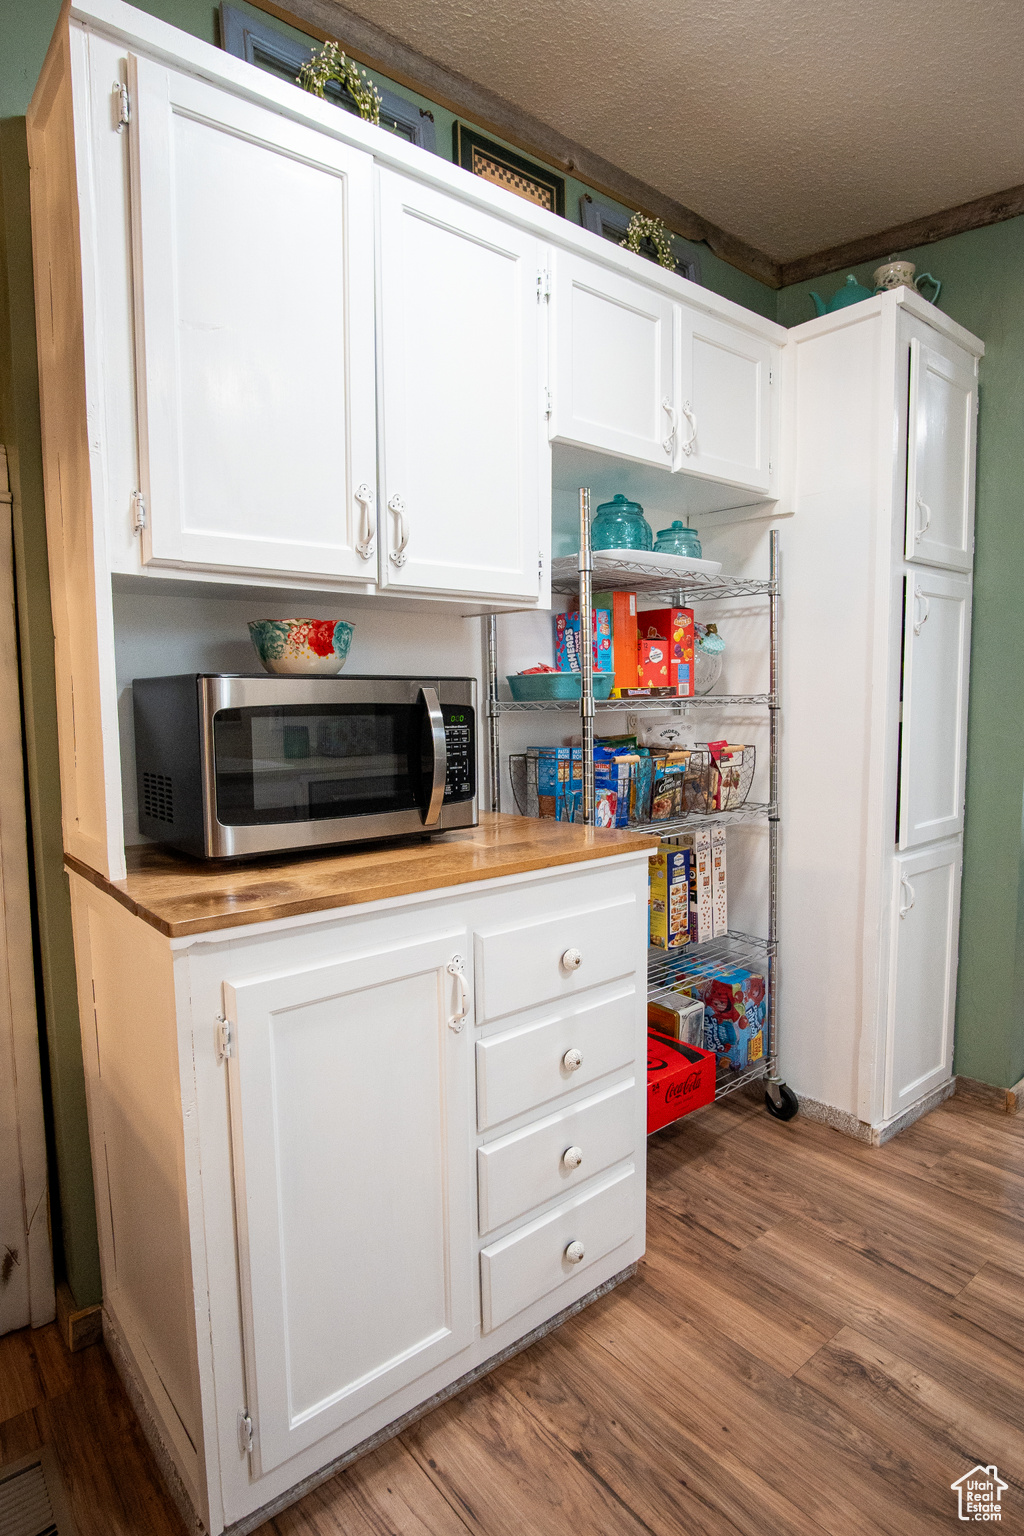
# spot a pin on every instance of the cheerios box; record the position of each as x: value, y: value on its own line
x: 735, y: 1014
x: 680, y: 1078
x: 670, y: 897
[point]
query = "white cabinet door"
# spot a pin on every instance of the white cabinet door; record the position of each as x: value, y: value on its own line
x: 253, y: 267
x: 941, y: 438
x: 351, y: 1114
x: 466, y: 499
x: 725, y: 402
x: 922, y: 985
x: 612, y: 382
x: 933, y: 734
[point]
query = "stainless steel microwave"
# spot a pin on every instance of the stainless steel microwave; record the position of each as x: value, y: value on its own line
x: 231, y: 766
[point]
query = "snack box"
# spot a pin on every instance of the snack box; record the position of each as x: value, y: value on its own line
x: 681, y: 1018
x: 652, y: 663
x: 567, y: 641
x: 668, y: 780
x: 559, y: 781
x: 735, y: 1014
x: 621, y: 606
x: 670, y: 897
x: 680, y: 1078
x: 719, y: 893
x: 674, y: 626
x: 702, y: 917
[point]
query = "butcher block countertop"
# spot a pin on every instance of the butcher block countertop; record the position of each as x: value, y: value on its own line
x: 180, y: 896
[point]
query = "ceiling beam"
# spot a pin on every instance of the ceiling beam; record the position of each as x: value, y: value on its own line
x: 371, y: 45
x: 992, y: 209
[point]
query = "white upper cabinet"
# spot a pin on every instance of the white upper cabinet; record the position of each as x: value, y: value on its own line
x: 940, y: 457
x: 933, y: 732
x: 725, y: 425
x: 355, y: 1226
x: 253, y: 267
x: 465, y: 479
x: 612, y: 374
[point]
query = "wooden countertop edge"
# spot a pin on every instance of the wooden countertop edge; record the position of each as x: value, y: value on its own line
x: 270, y: 911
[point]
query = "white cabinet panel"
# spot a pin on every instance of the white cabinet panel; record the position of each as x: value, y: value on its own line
x: 933, y: 735
x: 940, y: 458
x: 922, y: 988
x: 253, y: 268
x: 536, y: 1259
x: 521, y: 964
x: 465, y: 498
x: 355, y: 1221
x: 612, y: 373
x: 725, y: 404
x: 520, y: 1171
x: 528, y: 1066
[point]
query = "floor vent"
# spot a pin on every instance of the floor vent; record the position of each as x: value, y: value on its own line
x: 158, y: 796
x: 32, y: 1499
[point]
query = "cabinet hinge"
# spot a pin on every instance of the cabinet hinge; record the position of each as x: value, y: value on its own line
x: 771, y: 375
x: 547, y: 402
x: 244, y: 1432
x: 540, y: 570
x: 122, y: 108
x: 224, y: 1038
x: 543, y: 287
x: 138, y: 511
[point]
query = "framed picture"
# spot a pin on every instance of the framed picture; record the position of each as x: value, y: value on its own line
x: 507, y: 169
x: 612, y: 225
x: 261, y: 44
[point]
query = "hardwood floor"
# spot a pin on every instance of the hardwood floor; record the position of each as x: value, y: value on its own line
x: 822, y: 1337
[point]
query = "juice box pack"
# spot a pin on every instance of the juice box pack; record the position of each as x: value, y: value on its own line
x: 735, y: 1013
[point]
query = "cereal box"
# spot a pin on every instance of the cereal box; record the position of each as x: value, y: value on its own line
x: 670, y: 897
x: 719, y: 900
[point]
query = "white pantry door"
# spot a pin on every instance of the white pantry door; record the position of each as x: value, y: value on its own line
x: 351, y: 1098
x: 933, y: 732
x: 724, y: 402
x: 26, y: 1268
x: 612, y: 381
x: 465, y: 498
x: 922, y: 986
x: 253, y: 270
x: 941, y: 435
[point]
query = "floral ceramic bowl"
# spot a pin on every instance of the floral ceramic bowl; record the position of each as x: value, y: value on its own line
x: 309, y: 647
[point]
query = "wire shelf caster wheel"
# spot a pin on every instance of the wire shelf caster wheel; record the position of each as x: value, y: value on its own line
x: 780, y: 1101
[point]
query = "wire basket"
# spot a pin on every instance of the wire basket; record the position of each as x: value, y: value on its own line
x: 522, y: 772
x: 727, y: 782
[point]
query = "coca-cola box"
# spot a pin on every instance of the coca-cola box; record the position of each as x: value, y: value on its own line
x: 680, y: 1078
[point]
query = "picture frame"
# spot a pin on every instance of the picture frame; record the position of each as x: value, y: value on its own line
x: 259, y: 43
x: 612, y: 225
x: 504, y: 168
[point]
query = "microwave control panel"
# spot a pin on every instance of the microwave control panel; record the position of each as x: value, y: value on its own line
x: 460, y: 741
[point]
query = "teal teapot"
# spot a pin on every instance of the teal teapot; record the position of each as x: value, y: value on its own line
x: 851, y: 292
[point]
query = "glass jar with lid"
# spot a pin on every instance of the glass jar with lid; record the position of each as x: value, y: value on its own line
x: 678, y: 540
x: 620, y: 524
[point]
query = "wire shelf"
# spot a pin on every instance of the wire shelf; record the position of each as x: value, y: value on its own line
x: 626, y: 576
x: 750, y: 812
x: 644, y: 706
x: 665, y: 966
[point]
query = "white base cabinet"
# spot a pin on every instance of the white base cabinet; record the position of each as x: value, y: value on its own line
x: 330, y: 1183
x: 922, y: 974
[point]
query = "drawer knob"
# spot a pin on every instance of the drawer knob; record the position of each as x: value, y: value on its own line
x: 572, y: 1157
x: 574, y: 1253
x: 572, y: 1060
x: 572, y: 960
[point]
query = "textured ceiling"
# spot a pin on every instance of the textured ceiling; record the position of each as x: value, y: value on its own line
x: 795, y: 125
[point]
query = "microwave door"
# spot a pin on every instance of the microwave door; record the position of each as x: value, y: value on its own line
x: 434, y: 769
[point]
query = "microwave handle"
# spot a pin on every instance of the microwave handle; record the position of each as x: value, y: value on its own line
x: 432, y: 705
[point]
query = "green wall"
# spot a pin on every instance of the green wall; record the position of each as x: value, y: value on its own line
x: 982, y: 276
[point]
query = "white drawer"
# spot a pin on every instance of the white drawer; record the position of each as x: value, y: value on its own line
x: 521, y: 1268
x: 527, y: 1168
x: 556, y: 954
x: 526, y: 1067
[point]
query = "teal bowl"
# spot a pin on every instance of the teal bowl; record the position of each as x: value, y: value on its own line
x: 536, y: 687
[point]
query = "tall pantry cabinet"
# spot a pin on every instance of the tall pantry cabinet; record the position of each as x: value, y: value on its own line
x: 883, y: 424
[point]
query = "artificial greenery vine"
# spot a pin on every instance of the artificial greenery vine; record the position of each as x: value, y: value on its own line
x: 332, y: 64
x: 642, y: 228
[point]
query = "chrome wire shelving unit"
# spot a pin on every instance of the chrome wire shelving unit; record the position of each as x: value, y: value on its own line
x: 574, y: 576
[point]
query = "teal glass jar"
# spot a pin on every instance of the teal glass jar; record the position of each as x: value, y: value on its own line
x: 678, y: 540
x: 620, y: 524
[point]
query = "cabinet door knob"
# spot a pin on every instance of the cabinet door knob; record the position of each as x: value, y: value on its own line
x: 572, y: 960
x: 572, y: 1060
x: 574, y: 1253
x: 572, y: 1157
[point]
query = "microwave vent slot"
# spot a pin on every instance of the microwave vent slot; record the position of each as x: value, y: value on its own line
x: 158, y: 796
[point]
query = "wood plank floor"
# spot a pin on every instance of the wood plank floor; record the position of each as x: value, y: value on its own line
x: 823, y: 1336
